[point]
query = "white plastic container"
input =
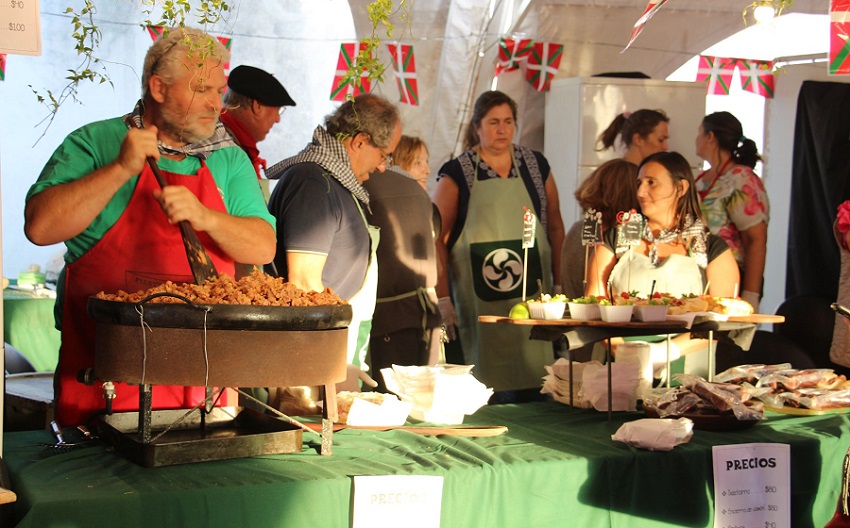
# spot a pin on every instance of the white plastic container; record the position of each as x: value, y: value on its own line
x: 650, y: 312
x: 549, y: 311
x: 584, y: 312
x: 616, y: 314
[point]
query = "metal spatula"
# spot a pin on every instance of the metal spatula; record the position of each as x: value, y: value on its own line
x: 200, y: 262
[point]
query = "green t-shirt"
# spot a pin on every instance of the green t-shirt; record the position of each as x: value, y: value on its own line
x: 97, y: 144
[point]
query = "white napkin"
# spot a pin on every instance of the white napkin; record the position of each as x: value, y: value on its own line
x: 625, y: 378
x: 557, y: 382
x: 655, y: 434
x: 439, y: 393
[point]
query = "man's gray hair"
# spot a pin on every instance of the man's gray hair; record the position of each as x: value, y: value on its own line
x: 167, y: 56
x: 368, y: 114
x: 234, y: 100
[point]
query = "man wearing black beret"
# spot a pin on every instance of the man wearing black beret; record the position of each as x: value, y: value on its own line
x: 253, y: 104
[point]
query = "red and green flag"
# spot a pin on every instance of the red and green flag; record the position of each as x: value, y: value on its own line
x: 512, y: 52
x: 757, y: 77
x: 404, y: 69
x: 651, y: 8
x: 155, y: 32
x: 343, y: 85
x: 839, y: 37
x: 2, y: 66
x: 718, y: 71
x: 542, y: 65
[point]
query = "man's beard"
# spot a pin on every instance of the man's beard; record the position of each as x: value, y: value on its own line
x: 179, y: 125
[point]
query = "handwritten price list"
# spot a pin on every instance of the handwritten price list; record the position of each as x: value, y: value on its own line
x: 751, y: 483
x: 20, y: 30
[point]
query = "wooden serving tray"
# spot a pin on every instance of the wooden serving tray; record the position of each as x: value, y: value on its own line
x: 576, y: 322
x: 807, y: 412
x: 669, y: 323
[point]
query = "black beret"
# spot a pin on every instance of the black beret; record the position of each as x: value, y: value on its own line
x: 258, y: 85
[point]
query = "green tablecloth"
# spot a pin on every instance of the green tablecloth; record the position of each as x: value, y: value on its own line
x: 28, y: 325
x: 555, y: 467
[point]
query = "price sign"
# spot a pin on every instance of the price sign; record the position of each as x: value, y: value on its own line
x: 629, y: 228
x: 397, y: 500
x: 20, y: 29
x: 752, y: 485
x: 591, y: 228
x: 529, y: 224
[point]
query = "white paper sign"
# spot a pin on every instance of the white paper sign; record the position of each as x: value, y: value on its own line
x: 397, y: 500
x: 20, y: 30
x: 752, y: 486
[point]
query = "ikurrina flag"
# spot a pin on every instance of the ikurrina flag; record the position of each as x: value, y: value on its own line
x: 542, y: 65
x: 757, y: 77
x: 651, y: 8
x: 155, y: 32
x: 2, y: 66
x: 511, y: 53
x: 839, y: 43
x: 404, y: 69
x: 718, y: 71
x: 351, y: 85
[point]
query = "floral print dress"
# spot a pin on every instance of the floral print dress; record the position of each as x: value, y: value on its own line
x: 735, y: 202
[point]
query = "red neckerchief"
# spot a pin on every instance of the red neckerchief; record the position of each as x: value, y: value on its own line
x: 245, y: 140
x: 720, y: 172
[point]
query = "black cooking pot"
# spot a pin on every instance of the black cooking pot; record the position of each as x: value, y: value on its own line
x: 219, y: 316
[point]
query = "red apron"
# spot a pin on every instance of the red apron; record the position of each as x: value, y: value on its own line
x: 140, y: 251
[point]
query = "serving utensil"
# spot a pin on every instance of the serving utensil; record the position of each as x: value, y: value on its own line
x: 200, y: 262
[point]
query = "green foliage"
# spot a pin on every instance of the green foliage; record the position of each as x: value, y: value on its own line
x: 86, y: 37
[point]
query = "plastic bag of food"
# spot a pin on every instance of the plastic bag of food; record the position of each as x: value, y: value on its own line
x: 655, y: 434
x: 723, y: 396
x: 748, y: 373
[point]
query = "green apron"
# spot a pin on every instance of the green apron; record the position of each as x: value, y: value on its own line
x: 363, y: 302
x: 486, y: 266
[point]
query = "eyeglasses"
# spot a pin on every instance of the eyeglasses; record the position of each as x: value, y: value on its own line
x: 388, y: 158
x: 281, y: 110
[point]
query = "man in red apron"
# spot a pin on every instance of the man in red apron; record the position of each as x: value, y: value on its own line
x: 254, y: 103
x: 98, y: 195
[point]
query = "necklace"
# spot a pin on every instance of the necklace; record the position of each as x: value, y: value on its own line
x: 720, y: 172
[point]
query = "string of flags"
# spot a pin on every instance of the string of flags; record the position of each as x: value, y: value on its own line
x: 839, y: 43
x: 541, y: 60
x: 756, y: 76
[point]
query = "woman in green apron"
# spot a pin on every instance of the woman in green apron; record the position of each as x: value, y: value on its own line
x: 481, y: 195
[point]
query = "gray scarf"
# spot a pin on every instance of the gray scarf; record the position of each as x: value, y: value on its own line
x: 326, y: 151
x: 200, y: 149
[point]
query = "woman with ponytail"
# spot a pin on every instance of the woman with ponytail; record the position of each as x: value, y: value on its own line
x: 642, y: 132
x: 733, y: 198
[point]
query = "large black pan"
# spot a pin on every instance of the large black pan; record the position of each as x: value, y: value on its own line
x: 220, y: 316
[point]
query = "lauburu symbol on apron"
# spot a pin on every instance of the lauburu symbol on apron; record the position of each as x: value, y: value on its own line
x: 502, y: 269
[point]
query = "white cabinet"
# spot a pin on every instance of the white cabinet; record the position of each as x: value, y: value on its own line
x: 578, y: 109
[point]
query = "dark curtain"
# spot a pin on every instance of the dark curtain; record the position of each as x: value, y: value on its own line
x: 820, y: 181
